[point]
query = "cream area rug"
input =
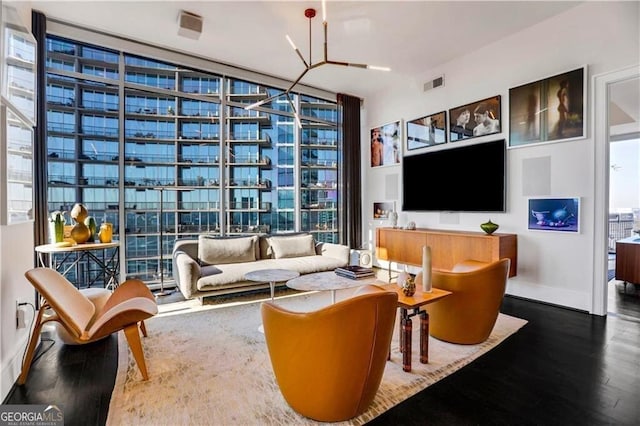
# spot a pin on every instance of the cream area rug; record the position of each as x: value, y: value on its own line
x: 209, y: 365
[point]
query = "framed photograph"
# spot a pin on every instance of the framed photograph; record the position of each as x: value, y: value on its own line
x: 475, y: 119
x: 427, y: 131
x: 554, y: 214
x: 386, y: 144
x: 548, y: 110
x: 382, y: 210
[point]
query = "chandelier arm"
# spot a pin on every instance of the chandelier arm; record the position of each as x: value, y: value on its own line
x: 310, y: 57
x: 306, y: 64
x: 262, y: 102
x: 326, y: 49
x: 295, y: 111
x: 297, y: 80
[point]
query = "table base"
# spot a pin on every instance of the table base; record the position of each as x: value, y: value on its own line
x: 406, y: 328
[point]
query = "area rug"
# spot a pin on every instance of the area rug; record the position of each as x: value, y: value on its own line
x: 209, y: 365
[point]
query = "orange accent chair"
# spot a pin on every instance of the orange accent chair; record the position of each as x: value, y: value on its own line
x: 468, y: 315
x: 329, y: 363
x: 129, y: 305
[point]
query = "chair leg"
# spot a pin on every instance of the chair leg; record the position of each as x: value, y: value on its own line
x: 133, y: 338
x: 143, y: 328
x: 35, y: 334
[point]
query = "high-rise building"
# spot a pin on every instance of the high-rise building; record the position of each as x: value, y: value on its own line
x: 120, y: 126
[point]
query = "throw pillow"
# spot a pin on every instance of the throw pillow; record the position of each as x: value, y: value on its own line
x: 294, y: 246
x: 226, y: 250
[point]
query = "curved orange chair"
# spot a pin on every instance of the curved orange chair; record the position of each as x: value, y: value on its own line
x: 468, y: 315
x: 129, y: 305
x: 329, y: 363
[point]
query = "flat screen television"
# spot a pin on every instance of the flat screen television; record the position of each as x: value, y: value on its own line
x: 470, y: 178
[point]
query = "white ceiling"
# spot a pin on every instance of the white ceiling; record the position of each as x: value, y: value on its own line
x: 410, y: 37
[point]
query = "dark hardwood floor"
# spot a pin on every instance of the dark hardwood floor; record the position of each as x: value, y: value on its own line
x: 563, y: 368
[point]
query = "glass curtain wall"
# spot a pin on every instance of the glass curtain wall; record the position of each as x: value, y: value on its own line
x: 120, y: 126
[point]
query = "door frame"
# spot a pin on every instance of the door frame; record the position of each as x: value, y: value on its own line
x: 600, y: 108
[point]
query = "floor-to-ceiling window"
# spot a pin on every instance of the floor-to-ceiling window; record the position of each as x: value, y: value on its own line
x: 120, y: 126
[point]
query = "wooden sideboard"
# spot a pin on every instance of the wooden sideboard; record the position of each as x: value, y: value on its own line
x: 447, y: 247
x: 628, y: 259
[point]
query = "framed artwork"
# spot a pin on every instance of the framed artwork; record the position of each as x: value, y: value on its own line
x: 475, y: 119
x: 554, y: 214
x: 382, y: 210
x: 386, y: 144
x: 427, y: 131
x: 548, y: 110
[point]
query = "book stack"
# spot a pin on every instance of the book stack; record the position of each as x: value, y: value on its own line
x: 354, y: 272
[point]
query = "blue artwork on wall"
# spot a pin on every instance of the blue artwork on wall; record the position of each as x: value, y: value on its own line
x: 554, y: 214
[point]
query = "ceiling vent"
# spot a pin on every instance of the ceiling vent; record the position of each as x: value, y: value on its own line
x: 434, y: 84
x: 190, y: 25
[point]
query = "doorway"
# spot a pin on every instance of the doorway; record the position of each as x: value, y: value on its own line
x: 623, y: 299
x: 601, y: 106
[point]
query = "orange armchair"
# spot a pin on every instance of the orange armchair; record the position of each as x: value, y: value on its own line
x: 468, y: 315
x: 329, y: 363
x: 131, y: 303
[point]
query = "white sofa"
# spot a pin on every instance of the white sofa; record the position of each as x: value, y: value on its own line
x: 210, y: 265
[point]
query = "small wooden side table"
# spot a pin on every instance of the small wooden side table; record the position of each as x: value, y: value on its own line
x: 405, y: 303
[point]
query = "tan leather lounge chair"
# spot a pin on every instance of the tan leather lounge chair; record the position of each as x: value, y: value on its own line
x: 329, y: 363
x: 468, y: 315
x: 131, y: 303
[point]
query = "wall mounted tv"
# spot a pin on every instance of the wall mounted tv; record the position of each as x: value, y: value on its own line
x: 470, y: 178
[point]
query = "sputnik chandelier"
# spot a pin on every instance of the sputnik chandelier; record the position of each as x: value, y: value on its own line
x: 309, y: 65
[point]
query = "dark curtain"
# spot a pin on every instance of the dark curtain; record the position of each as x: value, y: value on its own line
x: 40, y: 210
x: 351, y: 194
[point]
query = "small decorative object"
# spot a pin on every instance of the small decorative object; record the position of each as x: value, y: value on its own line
x: 489, y: 227
x: 426, y: 269
x: 409, y: 286
x: 402, y: 278
x: 90, y: 221
x: 106, y: 232
x: 393, y: 218
x: 410, y: 225
x: 56, y: 226
x: 80, y: 233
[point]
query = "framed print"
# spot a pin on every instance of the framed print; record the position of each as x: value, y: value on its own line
x: 386, y: 143
x: 427, y: 131
x: 554, y: 214
x: 548, y: 110
x: 382, y: 210
x: 475, y: 119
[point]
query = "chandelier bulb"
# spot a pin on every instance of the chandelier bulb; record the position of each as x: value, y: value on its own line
x: 291, y: 42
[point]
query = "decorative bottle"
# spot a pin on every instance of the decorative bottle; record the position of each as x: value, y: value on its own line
x: 426, y: 269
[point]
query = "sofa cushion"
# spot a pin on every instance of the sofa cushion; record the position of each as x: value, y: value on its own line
x: 226, y: 250
x: 233, y: 274
x: 292, y: 246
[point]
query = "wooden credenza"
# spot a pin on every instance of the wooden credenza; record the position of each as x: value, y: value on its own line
x: 447, y: 247
x: 628, y: 259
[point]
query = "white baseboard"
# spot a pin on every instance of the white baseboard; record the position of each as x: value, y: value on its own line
x: 12, y: 366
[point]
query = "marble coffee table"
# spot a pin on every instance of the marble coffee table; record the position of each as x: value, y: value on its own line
x: 322, y: 281
x: 272, y: 276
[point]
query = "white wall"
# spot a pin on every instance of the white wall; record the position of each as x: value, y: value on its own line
x: 555, y: 268
x: 16, y: 257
